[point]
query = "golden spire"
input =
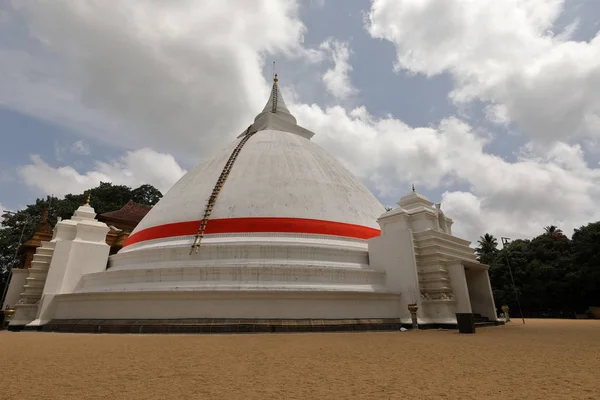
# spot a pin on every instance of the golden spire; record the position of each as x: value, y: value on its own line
x: 275, y: 80
x: 87, y: 200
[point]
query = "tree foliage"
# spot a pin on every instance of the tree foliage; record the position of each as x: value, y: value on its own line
x: 488, y: 246
x: 586, y: 256
x: 18, y: 227
x: 554, y: 275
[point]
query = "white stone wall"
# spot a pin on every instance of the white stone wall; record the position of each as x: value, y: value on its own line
x: 456, y: 271
x: 228, y: 304
x: 480, y: 291
x: 393, y: 254
x: 80, y: 249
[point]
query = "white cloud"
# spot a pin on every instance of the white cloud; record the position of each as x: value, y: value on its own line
x: 133, y: 169
x: 504, y: 53
x: 80, y: 147
x: 176, y: 75
x: 337, y: 79
x: 505, y: 198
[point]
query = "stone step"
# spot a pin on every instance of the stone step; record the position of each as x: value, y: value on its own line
x: 45, y: 251
x: 31, y: 281
x: 38, y: 275
x: 441, y: 289
x: 31, y: 295
x: 424, y: 270
x: 33, y: 288
x: 434, y: 242
x: 430, y: 234
x: 47, y: 245
x: 42, y: 257
x: 484, y: 324
x: 434, y: 280
x: 40, y: 265
x: 441, y: 249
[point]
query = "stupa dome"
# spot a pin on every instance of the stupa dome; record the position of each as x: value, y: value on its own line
x: 280, y: 182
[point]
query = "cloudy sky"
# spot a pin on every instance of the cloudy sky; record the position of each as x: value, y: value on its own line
x: 491, y: 107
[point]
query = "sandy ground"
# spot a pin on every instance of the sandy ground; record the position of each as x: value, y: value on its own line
x: 544, y: 359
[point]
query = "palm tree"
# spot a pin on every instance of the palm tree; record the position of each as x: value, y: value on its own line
x: 488, y: 245
x: 553, y: 230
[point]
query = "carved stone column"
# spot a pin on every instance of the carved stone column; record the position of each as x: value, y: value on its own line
x: 505, y: 311
x: 413, y: 315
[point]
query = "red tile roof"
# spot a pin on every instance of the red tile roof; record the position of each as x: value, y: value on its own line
x: 132, y: 212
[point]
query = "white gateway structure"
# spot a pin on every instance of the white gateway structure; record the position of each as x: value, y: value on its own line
x: 272, y: 233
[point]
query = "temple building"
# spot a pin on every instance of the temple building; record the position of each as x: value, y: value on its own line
x: 272, y: 233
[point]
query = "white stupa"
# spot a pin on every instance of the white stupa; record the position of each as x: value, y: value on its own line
x: 271, y: 231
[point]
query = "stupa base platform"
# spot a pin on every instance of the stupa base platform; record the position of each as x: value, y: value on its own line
x: 15, y: 328
x: 209, y: 325
x: 26, y: 328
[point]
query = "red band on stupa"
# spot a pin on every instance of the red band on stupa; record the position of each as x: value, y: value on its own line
x: 255, y: 225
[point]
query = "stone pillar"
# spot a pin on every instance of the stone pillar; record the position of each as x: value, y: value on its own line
x: 413, y: 308
x: 505, y: 310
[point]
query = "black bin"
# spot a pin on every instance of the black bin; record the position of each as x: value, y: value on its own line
x: 465, y: 322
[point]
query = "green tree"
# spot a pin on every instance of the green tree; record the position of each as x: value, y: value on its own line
x: 547, y: 286
x: 146, y: 194
x: 553, y: 230
x: 487, y: 249
x: 586, y: 265
x: 516, y: 253
x: 554, y: 275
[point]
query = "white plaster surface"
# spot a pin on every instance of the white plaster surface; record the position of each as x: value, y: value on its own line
x: 480, y: 291
x: 228, y: 304
x: 393, y: 254
x: 277, y: 174
x: 80, y: 249
x: 456, y: 272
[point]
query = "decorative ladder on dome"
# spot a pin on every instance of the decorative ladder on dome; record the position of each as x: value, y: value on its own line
x: 217, y: 189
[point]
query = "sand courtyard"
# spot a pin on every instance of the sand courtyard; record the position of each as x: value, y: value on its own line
x: 543, y: 359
